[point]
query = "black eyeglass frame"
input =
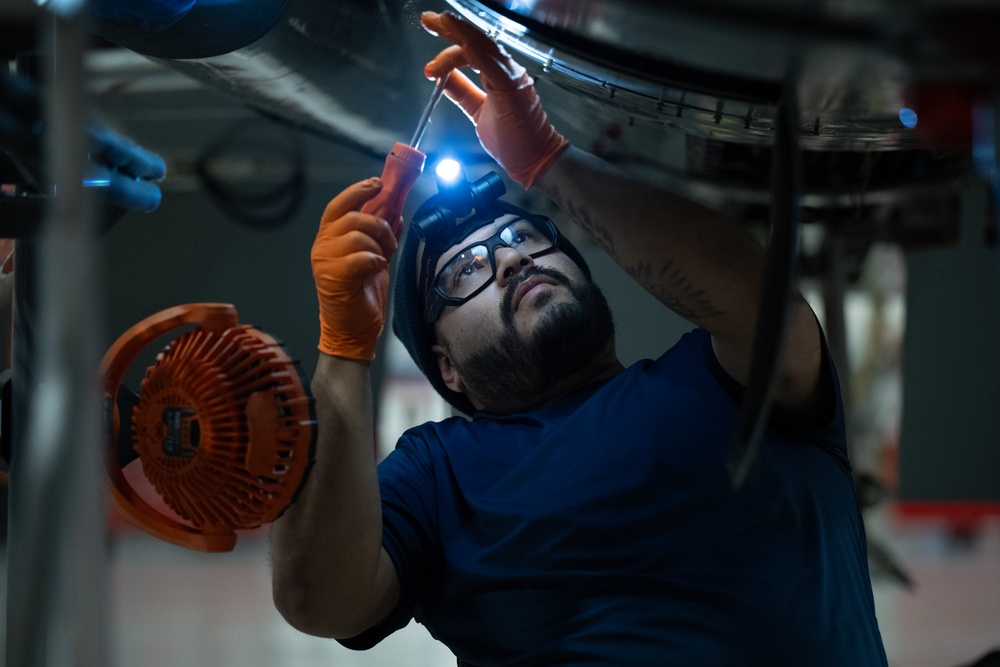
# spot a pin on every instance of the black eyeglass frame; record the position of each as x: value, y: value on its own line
x: 437, y: 300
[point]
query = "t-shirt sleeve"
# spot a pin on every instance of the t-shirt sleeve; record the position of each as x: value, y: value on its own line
x: 828, y: 435
x: 407, y: 484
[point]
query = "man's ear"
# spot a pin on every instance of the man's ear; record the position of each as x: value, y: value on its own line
x: 449, y: 373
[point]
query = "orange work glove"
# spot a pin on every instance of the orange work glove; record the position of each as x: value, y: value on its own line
x: 509, y: 119
x: 350, y: 262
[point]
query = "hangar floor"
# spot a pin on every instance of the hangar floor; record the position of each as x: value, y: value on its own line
x: 175, y: 607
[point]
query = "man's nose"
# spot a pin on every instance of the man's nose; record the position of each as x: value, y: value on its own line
x: 510, y: 262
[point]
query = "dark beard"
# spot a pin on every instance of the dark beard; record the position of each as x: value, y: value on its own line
x: 515, y: 372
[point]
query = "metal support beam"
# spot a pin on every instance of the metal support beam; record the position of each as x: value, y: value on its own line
x: 56, y: 604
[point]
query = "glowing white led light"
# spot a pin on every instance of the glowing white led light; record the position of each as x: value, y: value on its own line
x: 448, y: 170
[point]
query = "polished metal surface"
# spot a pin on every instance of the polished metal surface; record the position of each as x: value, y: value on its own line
x: 685, y: 94
x: 425, y: 117
x: 753, y: 39
x: 715, y: 69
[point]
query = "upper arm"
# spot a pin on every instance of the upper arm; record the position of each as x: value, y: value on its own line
x: 696, y: 262
x: 804, y: 382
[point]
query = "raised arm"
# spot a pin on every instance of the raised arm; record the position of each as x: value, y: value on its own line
x: 330, y: 575
x: 695, y: 262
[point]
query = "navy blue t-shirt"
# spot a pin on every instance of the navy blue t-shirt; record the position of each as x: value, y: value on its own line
x: 603, y: 529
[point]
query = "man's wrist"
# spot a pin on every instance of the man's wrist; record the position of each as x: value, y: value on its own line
x: 346, y: 349
x: 549, y: 178
x: 559, y: 144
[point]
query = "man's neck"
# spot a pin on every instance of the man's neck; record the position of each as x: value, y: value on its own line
x: 604, y: 366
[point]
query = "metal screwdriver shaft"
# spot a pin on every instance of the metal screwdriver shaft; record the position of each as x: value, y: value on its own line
x: 425, y: 117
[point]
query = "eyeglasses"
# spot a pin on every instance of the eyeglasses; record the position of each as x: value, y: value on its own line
x: 474, y: 267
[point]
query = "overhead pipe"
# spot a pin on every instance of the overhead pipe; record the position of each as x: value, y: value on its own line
x: 341, y: 70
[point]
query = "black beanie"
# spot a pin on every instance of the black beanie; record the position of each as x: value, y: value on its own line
x: 409, y: 302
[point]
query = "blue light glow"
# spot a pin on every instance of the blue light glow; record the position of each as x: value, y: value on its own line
x: 96, y: 182
x: 908, y: 117
x: 448, y: 170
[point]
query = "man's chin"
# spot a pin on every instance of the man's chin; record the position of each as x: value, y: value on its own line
x: 555, y: 333
x: 529, y: 316
x: 541, y: 345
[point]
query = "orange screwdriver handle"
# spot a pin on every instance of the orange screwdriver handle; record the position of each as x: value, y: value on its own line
x: 402, y: 167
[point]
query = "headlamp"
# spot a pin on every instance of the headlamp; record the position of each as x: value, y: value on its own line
x: 437, y: 218
x: 449, y: 172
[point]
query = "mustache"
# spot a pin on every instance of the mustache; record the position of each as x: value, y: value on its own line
x: 507, y: 306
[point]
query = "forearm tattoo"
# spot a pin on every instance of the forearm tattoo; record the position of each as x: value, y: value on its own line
x: 580, y: 214
x: 668, y: 284
x: 673, y: 289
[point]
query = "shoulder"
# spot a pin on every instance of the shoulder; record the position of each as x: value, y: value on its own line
x: 430, y: 444
x: 689, y: 360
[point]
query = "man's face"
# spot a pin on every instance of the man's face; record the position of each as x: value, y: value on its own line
x: 538, y: 321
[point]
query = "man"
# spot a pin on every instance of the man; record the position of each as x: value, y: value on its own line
x: 585, y: 514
